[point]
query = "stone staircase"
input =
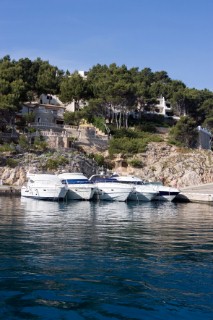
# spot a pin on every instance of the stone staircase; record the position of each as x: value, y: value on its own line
x: 86, y: 137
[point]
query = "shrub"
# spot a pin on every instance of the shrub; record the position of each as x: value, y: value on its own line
x: 12, y: 163
x: 40, y: 144
x: 29, y: 117
x: 99, y: 122
x: 131, y: 145
x: 31, y: 129
x: 148, y: 127
x: 126, y: 145
x: 6, y: 148
x: 135, y: 133
x: 129, y: 133
x: 99, y: 158
x: 135, y: 163
x: 23, y: 142
x: 52, y: 164
x: 62, y: 160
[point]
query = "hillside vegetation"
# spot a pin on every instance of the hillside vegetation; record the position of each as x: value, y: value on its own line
x: 118, y: 100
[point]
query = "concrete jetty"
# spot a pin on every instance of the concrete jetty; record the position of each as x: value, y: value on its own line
x: 6, y: 190
x: 199, y: 193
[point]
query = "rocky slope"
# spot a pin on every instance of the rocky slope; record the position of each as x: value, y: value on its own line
x: 76, y: 162
x: 172, y: 165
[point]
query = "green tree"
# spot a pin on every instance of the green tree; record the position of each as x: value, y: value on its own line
x: 48, y: 78
x: 73, y: 88
x: 206, y: 108
x: 114, y: 90
x: 208, y: 124
x: 73, y: 118
x: 185, y: 133
x: 12, y: 91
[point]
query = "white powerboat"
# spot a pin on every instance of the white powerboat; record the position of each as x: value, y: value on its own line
x: 79, y: 187
x: 140, y: 191
x: 165, y: 193
x: 44, y: 187
x: 109, y: 189
x: 162, y: 193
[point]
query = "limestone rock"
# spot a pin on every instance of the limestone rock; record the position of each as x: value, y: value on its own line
x: 161, y: 162
x: 172, y: 165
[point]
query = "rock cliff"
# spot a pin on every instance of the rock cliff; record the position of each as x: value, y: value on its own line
x: 172, y: 165
x: 76, y: 162
x: 161, y: 162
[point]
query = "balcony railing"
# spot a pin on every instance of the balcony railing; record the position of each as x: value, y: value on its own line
x: 46, y: 125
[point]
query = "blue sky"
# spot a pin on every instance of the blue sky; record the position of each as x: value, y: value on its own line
x: 170, y: 35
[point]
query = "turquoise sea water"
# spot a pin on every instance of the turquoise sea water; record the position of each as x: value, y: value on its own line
x: 84, y: 260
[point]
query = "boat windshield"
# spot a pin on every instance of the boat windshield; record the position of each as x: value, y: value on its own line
x: 131, y: 182
x: 78, y: 181
x: 102, y: 179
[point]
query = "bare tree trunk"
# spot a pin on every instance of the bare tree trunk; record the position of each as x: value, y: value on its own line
x: 116, y: 119
x: 126, y: 120
x: 119, y: 126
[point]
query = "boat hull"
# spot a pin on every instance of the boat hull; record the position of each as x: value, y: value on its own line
x: 166, y: 196
x: 140, y: 191
x: 79, y: 187
x: 165, y: 193
x: 42, y: 193
x: 112, y: 191
x: 142, y: 196
x: 80, y: 192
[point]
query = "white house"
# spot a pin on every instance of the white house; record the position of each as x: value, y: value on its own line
x: 50, y: 99
x: 73, y: 106
x: 48, y: 111
x: 163, y: 107
x: 83, y: 74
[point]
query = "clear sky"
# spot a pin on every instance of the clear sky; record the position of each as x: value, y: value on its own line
x: 170, y: 35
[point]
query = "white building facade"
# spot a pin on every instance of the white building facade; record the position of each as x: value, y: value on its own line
x: 204, y: 138
x: 163, y: 107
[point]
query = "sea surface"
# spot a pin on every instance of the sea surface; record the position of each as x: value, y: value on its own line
x: 105, y: 260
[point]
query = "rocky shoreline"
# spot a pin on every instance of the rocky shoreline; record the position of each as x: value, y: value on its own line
x: 29, y: 162
x: 172, y: 165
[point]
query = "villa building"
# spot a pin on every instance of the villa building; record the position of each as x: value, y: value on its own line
x: 48, y: 111
x: 163, y: 107
x: 83, y: 74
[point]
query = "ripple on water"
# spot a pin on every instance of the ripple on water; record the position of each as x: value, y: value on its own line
x: 84, y: 260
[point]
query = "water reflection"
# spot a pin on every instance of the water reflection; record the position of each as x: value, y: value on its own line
x: 85, y: 260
